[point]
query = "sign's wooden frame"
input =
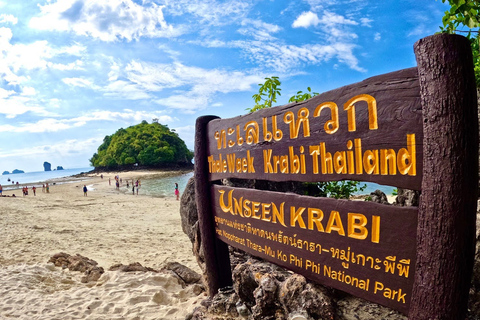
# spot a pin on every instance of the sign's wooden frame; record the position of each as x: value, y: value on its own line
x: 427, y: 115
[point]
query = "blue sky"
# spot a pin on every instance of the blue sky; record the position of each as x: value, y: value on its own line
x: 73, y: 71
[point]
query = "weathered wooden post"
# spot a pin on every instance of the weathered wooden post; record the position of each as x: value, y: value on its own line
x: 217, y: 260
x: 447, y: 213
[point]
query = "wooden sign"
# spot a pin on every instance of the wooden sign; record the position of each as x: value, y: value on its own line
x: 415, y: 128
x: 364, y: 248
x: 370, y: 131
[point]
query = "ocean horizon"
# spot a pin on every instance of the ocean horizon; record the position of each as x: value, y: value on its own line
x: 162, y: 187
x: 37, y: 177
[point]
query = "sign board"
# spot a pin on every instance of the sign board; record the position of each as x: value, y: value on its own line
x: 415, y: 128
x: 369, y: 131
x: 363, y: 248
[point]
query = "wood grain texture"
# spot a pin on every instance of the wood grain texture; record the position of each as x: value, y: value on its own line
x: 397, y: 96
x: 217, y: 261
x: 446, y: 223
x: 330, y: 256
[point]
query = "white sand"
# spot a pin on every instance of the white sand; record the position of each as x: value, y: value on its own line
x: 107, y: 226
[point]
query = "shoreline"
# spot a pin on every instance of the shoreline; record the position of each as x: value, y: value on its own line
x: 86, y: 176
x: 107, y: 226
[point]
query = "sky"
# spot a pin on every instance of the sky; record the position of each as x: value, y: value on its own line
x: 74, y: 71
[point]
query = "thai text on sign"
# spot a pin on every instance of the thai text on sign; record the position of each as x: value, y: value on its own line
x: 358, y: 132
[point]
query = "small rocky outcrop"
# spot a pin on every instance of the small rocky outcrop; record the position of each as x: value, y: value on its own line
x: 78, y: 263
x: 5, y: 172
x: 47, y: 166
x: 132, y: 267
x: 59, y: 168
x: 189, y: 218
x: 378, y: 196
x: 407, y: 198
x: 17, y: 171
x: 187, y: 275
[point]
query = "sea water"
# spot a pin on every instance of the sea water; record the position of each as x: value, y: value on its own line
x: 161, y: 187
x: 37, y: 177
x: 165, y: 187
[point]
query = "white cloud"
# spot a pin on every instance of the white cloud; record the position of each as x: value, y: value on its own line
x: 196, y: 87
x: 377, y: 36
x: 105, y: 20
x: 13, y: 105
x: 259, y: 30
x: 78, y: 82
x: 212, y: 12
x: 56, y: 125
x: 8, y: 18
x: 201, y: 84
x: 305, y: 20
x: 62, y: 148
x: 366, y: 22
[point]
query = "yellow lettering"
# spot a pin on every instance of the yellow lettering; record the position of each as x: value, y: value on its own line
x: 226, y: 208
x: 278, y: 214
x: 335, y: 224
x: 388, y: 161
x: 315, y: 216
x: 255, y: 209
x: 266, y: 212
x: 406, y: 158
x: 356, y: 226
x: 296, y: 215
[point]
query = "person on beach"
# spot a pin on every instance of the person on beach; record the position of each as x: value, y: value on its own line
x: 133, y: 189
x: 1, y: 189
x: 85, y: 190
x: 47, y: 188
x: 177, y: 193
x: 34, y: 189
x: 43, y: 188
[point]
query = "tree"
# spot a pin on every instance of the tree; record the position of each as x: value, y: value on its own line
x: 267, y: 93
x: 146, y: 144
x: 465, y: 13
x: 300, y: 96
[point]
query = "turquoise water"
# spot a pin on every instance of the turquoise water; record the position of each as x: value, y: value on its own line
x: 161, y: 187
x: 164, y: 187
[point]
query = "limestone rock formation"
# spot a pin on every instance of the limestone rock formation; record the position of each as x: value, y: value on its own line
x: 47, y: 166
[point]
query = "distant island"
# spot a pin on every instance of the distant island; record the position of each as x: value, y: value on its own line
x: 47, y: 166
x: 59, y: 168
x: 13, y: 172
x: 142, y: 146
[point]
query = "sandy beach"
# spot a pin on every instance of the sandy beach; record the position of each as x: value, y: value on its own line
x: 109, y: 226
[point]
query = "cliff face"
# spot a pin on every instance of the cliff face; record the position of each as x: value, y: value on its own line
x: 47, y: 166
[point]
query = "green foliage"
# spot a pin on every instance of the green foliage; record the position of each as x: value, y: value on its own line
x: 267, y: 94
x: 462, y: 12
x: 146, y: 144
x: 341, y: 189
x: 333, y: 189
x: 300, y: 96
x: 465, y: 13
